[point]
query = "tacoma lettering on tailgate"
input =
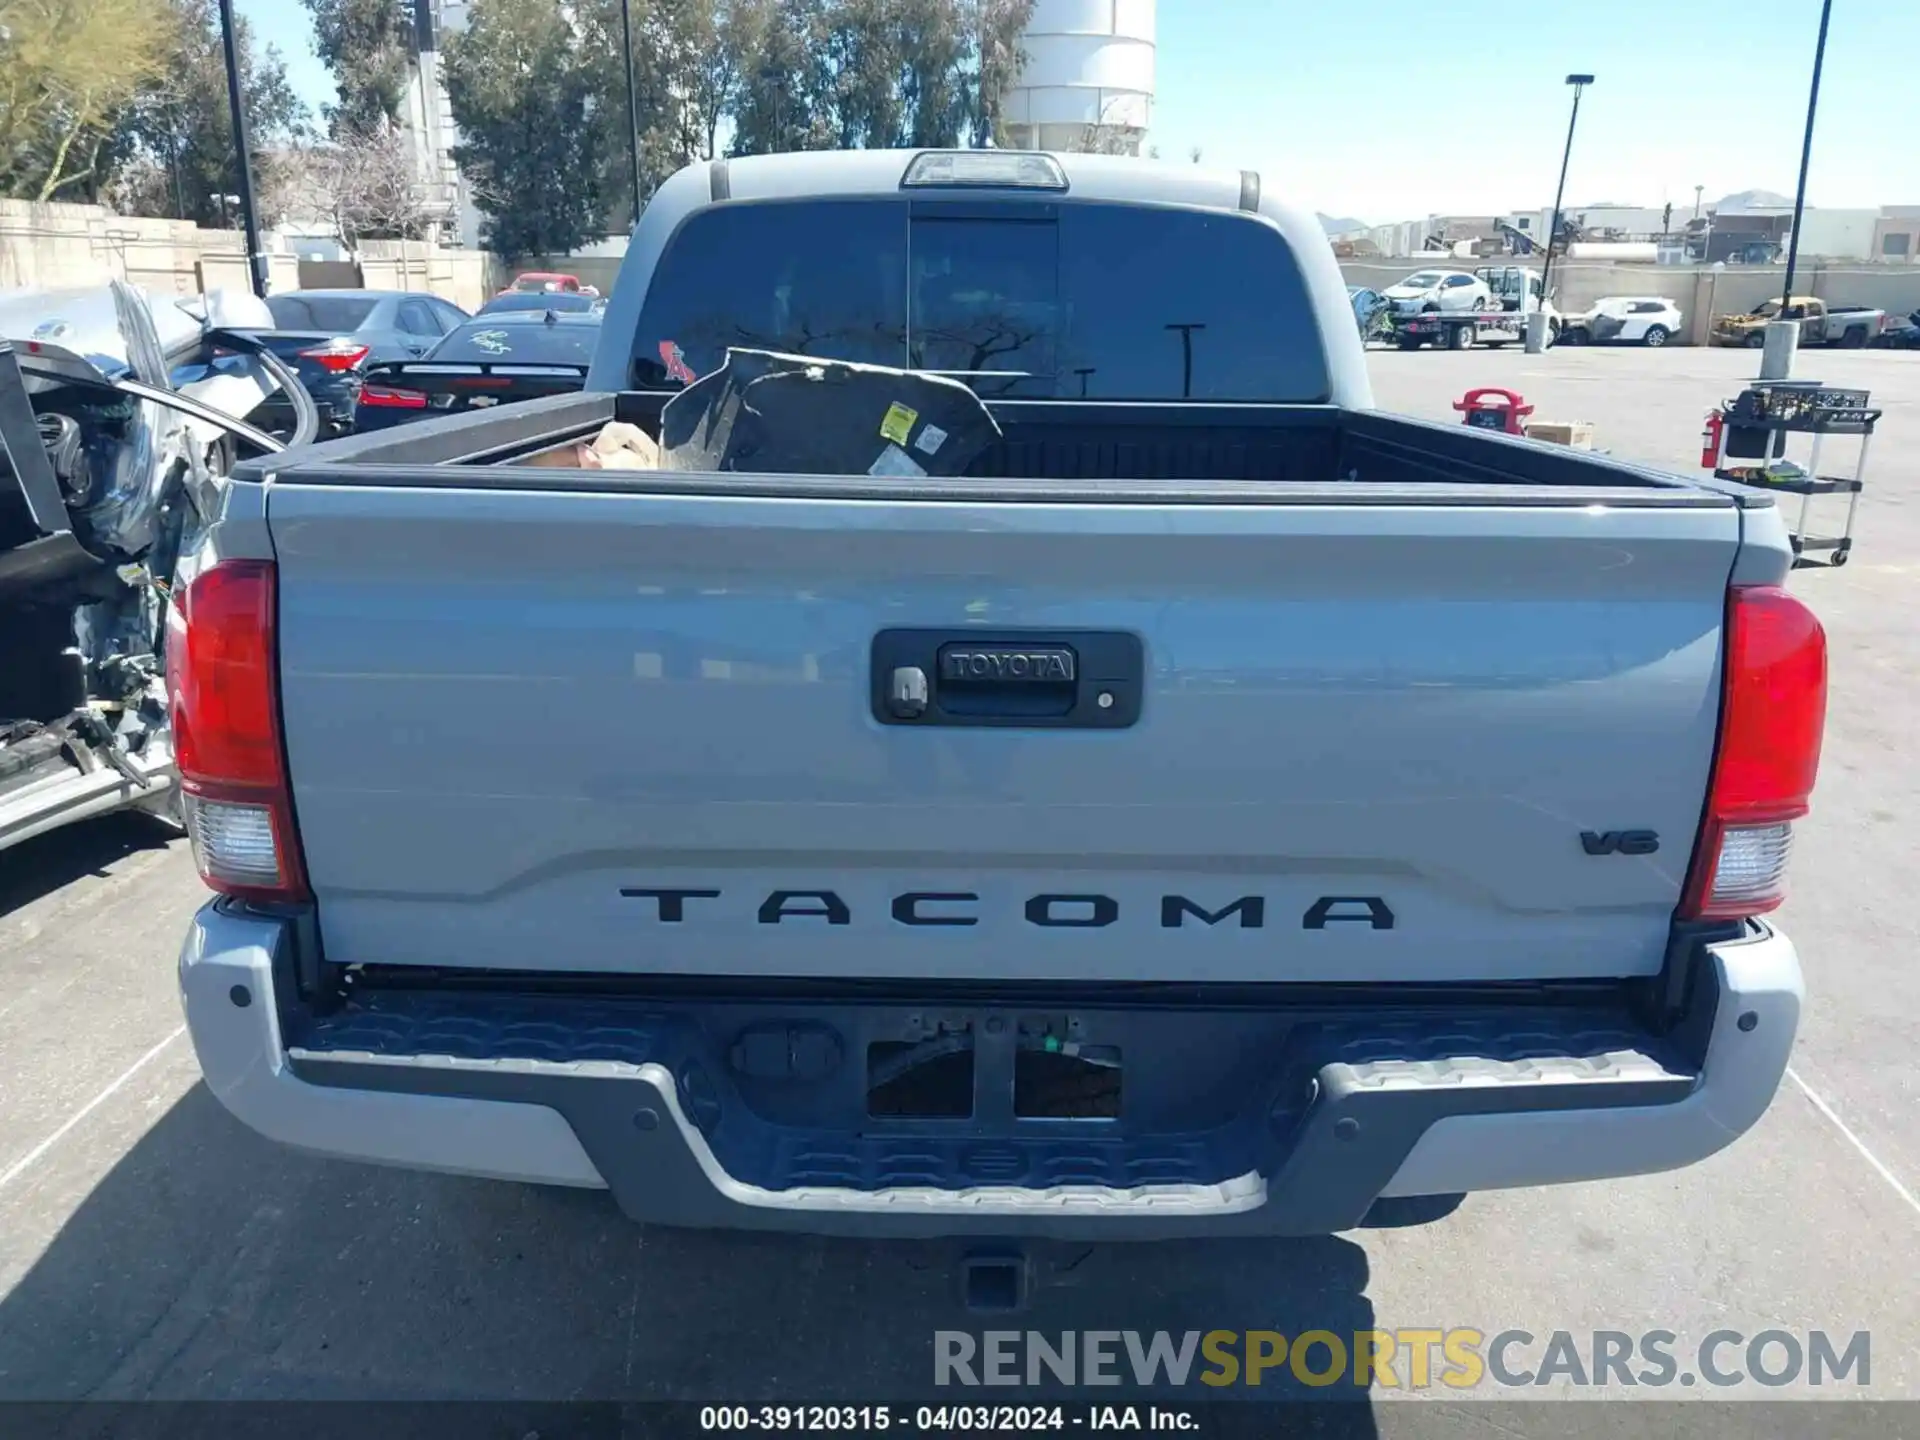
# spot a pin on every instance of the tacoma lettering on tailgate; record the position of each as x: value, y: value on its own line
x: 942, y: 908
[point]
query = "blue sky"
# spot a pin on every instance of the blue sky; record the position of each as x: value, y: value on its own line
x: 284, y: 23
x: 1393, y: 109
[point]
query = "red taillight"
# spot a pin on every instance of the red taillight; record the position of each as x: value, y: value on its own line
x: 1772, y: 712
x: 226, y: 732
x: 391, y: 399
x: 337, y: 355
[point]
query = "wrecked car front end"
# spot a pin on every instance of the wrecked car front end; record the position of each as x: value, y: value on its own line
x: 120, y: 418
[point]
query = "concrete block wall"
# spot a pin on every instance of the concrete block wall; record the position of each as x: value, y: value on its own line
x: 466, y: 277
x: 58, y: 246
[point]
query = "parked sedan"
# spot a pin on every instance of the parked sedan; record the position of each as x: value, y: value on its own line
x: 491, y: 360
x: 330, y: 337
x: 1428, y: 290
x: 1649, y: 320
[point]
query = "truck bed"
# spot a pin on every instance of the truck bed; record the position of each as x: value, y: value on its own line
x: 1050, y: 442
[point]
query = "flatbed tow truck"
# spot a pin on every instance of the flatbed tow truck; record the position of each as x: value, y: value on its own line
x: 1517, y: 291
x: 1459, y: 330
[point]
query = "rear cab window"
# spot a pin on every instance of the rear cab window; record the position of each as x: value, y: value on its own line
x: 1020, y: 300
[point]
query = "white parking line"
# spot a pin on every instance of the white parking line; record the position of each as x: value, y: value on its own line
x: 27, y: 1161
x: 1838, y: 1124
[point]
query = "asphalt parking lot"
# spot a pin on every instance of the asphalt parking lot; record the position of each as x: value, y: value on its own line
x: 150, y: 1247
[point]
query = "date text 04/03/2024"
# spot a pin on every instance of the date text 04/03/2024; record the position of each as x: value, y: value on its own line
x: 943, y: 1419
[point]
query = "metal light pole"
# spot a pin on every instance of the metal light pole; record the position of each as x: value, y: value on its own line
x: 1579, y: 83
x: 236, y: 104
x: 1782, y: 336
x: 633, y: 107
x: 1806, y: 152
x: 1698, y: 191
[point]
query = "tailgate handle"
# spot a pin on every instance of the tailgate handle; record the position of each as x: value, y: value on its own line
x: 1072, y: 680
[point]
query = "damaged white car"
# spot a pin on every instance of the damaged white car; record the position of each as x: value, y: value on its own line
x: 120, y: 416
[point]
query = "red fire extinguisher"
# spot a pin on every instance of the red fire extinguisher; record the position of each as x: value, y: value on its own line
x: 1710, y: 439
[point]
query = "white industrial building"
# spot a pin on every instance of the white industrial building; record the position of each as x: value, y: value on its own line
x: 1088, y: 79
x: 427, y: 119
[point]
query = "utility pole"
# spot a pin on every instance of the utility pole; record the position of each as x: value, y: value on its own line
x: 1539, y: 330
x: 1698, y: 191
x: 633, y: 106
x: 1806, y: 154
x: 1782, y: 337
x: 1579, y: 83
x: 243, y: 152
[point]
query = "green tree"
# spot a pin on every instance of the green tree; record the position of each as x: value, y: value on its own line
x: 67, y: 70
x: 528, y: 114
x: 865, y: 73
x: 784, y: 96
x: 367, y: 44
x: 685, y: 78
x: 173, y: 146
x: 539, y: 91
x: 997, y: 62
x: 703, y: 69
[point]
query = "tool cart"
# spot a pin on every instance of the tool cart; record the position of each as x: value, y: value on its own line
x: 1747, y: 441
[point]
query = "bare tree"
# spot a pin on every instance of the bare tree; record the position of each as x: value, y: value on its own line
x: 378, y: 190
x: 365, y: 185
x: 1106, y: 136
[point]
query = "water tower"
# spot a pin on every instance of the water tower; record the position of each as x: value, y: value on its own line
x: 1088, y: 79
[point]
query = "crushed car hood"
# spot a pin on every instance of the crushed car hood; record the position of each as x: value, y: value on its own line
x: 97, y: 336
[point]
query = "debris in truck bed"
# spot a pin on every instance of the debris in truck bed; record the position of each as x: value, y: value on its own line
x: 618, y: 446
x: 801, y: 415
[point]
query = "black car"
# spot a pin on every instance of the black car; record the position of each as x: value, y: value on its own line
x: 1901, y: 337
x: 561, y: 302
x: 330, y: 337
x: 491, y: 360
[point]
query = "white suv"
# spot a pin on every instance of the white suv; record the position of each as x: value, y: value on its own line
x: 1650, y: 320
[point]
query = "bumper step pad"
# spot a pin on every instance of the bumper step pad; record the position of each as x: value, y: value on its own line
x: 1341, y: 1104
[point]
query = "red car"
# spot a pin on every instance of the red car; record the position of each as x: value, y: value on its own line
x: 536, y: 280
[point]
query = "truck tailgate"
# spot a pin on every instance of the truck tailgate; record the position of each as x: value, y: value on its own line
x: 1413, y: 740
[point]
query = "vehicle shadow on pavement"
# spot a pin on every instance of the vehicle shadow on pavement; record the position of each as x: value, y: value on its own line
x: 211, y: 1264
x: 50, y: 862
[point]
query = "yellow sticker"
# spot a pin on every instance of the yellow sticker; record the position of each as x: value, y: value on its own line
x: 899, y: 423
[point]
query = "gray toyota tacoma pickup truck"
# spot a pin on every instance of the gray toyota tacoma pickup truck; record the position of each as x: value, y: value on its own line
x: 1301, y: 810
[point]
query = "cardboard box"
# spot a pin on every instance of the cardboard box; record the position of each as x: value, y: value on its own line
x: 1575, y: 433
